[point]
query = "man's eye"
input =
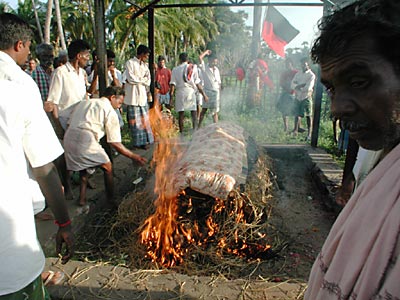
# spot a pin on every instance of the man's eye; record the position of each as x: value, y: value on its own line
x: 358, y: 83
x: 330, y: 91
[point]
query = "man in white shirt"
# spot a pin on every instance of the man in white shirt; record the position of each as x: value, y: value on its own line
x: 28, y: 147
x: 185, y: 80
x: 67, y: 87
x: 68, y: 84
x: 212, y: 85
x: 137, y: 82
x: 90, y: 121
x: 303, y: 86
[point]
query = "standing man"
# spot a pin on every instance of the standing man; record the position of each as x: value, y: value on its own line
x: 286, y: 99
x: 163, y: 77
x: 67, y: 87
x: 303, y: 86
x: 42, y: 73
x: 185, y: 80
x: 90, y: 121
x: 212, y: 85
x: 138, y: 79
x: 28, y: 147
x: 360, y: 70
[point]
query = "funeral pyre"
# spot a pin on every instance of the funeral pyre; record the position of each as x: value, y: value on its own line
x: 211, y: 197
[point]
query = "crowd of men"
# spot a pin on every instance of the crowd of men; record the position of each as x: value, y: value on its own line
x: 60, y: 124
x: 360, y: 68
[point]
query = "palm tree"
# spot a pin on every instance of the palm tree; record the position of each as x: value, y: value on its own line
x: 39, y: 27
x: 26, y: 12
x: 48, y: 21
x: 122, y: 30
x: 59, y: 24
x: 5, y: 7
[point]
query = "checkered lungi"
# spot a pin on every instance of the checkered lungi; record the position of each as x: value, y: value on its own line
x: 139, y: 125
x: 213, y: 103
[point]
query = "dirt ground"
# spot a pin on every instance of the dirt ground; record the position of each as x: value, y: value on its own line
x: 299, y: 218
x: 299, y: 205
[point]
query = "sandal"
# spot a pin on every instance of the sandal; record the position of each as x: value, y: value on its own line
x: 53, y: 278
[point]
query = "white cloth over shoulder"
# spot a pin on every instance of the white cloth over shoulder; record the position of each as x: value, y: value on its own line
x: 360, y: 257
x: 185, y: 77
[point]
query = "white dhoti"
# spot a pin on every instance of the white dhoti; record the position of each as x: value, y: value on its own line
x: 185, y: 99
x: 82, y: 150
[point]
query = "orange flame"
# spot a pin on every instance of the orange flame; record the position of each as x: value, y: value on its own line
x: 164, y: 233
x: 161, y: 232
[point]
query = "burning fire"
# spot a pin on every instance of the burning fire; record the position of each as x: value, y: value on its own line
x: 187, y: 219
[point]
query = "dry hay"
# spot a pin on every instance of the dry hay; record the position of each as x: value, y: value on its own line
x: 116, y: 237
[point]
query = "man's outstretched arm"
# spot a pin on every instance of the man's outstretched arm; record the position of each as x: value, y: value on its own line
x: 50, y: 185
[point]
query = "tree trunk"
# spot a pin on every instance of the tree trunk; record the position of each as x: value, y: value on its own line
x: 48, y: 21
x: 59, y: 24
x: 91, y: 15
x: 255, y: 43
x: 253, y: 90
x: 126, y: 39
x: 37, y: 21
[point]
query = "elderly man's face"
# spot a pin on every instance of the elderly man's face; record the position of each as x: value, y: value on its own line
x: 365, y: 93
x: 46, y: 59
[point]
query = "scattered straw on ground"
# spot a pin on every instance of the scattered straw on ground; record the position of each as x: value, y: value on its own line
x: 115, y: 238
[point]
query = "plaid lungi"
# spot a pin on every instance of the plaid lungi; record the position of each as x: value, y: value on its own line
x: 34, y: 290
x: 139, y: 125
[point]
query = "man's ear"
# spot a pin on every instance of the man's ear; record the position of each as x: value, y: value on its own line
x: 18, y: 46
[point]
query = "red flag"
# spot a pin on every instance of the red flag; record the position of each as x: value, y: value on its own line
x: 277, y: 32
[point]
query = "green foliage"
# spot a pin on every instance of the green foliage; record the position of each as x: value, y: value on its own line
x: 176, y: 29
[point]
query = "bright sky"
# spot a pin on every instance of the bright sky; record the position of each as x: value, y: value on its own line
x: 301, y: 17
x: 12, y: 3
